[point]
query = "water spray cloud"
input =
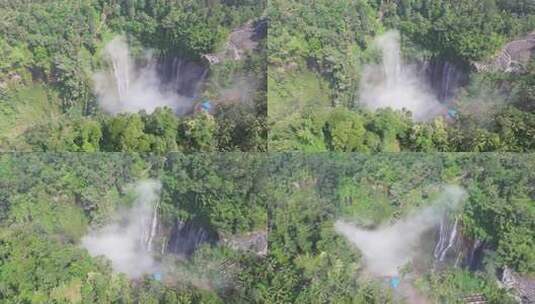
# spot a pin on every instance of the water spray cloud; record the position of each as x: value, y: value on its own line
x: 127, y: 88
x: 389, y: 247
x: 126, y: 241
x: 395, y: 84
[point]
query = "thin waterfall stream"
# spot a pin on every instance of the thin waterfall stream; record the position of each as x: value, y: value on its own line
x: 153, y: 226
x: 448, y: 233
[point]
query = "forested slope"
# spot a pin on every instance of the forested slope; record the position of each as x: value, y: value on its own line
x: 313, y: 263
x: 50, y: 52
x: 259, y: 228
x: 320, y: 54
x: 50, y: 203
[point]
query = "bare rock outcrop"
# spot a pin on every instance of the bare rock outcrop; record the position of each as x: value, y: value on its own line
x: 255, y: 242
x: 523, y: 288
x: 242, y: 40
x: 512, y: 58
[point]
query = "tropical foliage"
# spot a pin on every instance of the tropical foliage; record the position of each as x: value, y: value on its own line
x: 317, y: 52
x: 50, y: 50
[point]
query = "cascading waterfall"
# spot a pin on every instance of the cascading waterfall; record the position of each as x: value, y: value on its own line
x: 445, y: 78
x: 476, y: 252
x: 153, y: 227
x: 392, y: 64
x: 452, y: 245
x: 447, y: 237
x: 181, y: 76
x: 121, y: 66
x: 186, y: 236
x: 133, y: 85
x: 177, y: 67
x: 446, y: 73
x: 127, y: 239
x: 441, y: 239
x: 164, y: 246
x: 199, y: 83
x: 397, y: 85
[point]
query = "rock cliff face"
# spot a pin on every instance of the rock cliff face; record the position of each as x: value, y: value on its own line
x: 242, y: 40
x: 255, y: 242
x: 512, y: 58
x: 181, y: 75
x: 454, y: 248
x: 523, y: 288
x: 186, y: 236
x: 445, y: 78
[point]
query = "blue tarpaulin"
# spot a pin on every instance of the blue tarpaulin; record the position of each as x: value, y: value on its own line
x: 157, y: 276
x: 452, y: 113
x: 206, y: 105
x: 394, y: 282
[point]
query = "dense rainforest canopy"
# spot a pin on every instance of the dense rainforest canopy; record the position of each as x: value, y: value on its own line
x: 317, y: 55
x: 319, y: 51
x: 166, y: 95
x: 50, y: 50
x: 311, y: 263
x: 48, y: 202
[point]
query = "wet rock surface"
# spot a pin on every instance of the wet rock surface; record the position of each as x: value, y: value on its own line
x: 187, y: 236
x: 255, y: 242
x: 522, y: 288
x: 242, y: 40
x: 181, y: 75
x: 512, y: 58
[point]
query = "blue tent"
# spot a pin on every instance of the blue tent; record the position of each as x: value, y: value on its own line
x: 394, y: 282
x: 206, y: 105
x: 157, y: 276
x: 452, y: 113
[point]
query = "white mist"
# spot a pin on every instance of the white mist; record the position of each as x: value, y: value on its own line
x: 395, y: 84
x: 388, y: 248
x: 126, y: 88
x: 125, y: 241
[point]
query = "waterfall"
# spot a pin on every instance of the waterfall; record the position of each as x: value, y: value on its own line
x: 177, y: 67
x: 199, y: 83
x: 121, y: 66
x: 396, y: 84
x: 126, y: 240
x: 447, y: 238
x: 448, y: 81
x: 475, y: 256
x: 464, y: 252
x: 148, y: 211
x: 391, y: 61
x: 187, y: 236
x: 130, y: 85
x: 164, y: 243
x: 181, y: 76
x: 153, y: 227
x: 441, y: 239
x: 445, y: 78
x: 446, y: 72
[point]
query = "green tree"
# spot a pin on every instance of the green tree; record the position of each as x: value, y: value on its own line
x: 125, y: 133
x: 197, y: 133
